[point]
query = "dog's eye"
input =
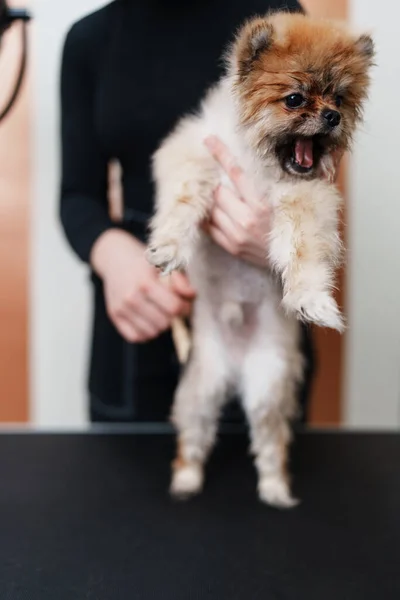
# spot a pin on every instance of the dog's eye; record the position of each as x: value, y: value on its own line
x: 338, y: 100
x: 294, y: 100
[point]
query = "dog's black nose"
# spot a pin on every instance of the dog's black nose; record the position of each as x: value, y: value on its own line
x: 332, y: 117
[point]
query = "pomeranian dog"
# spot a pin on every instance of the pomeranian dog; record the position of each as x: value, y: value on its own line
x: 291, y: 97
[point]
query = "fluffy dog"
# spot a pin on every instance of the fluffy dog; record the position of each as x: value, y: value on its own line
x: 291, y: 97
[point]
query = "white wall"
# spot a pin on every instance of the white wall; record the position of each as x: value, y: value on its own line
x: 60, y: 310
x: 372, y: 385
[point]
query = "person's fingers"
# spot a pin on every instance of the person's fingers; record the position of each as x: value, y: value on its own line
x: 156, y: 314
x: 227, y: 200
x: 221, y: 239
x: 164, y: 298
x: 139, y: 315
x: 181, y: 285
x: 186, y: 309
x: 146, y: 329
x: 179, y: 307
x: 234, y: 233
x: 234, y: 244
x: 126, y: 328
x: 151, y: 313
x: 242, y: 183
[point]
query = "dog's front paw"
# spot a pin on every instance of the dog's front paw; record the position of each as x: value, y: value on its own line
x: 168, y: 255
x: 317, y: 307
x: 275, y: 491
x: 186, y: 481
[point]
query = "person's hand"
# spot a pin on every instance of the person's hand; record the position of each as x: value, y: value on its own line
x: 139, y: 302
x: 239, y: 220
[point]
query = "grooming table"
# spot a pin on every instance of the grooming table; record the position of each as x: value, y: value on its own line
x: 88, y: 517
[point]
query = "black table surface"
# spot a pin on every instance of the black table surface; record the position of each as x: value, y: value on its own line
x: 89, y: 517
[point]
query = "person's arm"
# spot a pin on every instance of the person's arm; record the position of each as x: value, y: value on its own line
x: 83, y: 206
x: 138, y: 303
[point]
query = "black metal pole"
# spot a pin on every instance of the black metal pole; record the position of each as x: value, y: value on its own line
x: 8, y: 16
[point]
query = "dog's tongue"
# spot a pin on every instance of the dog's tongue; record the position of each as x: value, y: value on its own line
x: 303, y: 151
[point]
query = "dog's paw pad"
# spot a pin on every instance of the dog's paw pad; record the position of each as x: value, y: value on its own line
x: 276, y: 492
x: 165, y: 257
x: 186, y: 481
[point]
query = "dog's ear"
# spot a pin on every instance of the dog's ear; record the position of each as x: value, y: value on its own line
x: 255, y: 38
x: 365, y: 46
x: 259, y: 39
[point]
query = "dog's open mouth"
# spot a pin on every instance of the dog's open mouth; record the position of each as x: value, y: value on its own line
x: 301, y: 155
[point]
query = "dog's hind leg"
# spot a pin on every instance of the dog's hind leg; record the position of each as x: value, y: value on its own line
x: 198, y: 401
x: 268, y: 400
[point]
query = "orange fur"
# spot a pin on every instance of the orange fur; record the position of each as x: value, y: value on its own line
x: 299, y: 54
x: 179, y: 462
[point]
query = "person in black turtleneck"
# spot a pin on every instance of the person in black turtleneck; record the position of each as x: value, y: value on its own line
x: 129, y: 72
